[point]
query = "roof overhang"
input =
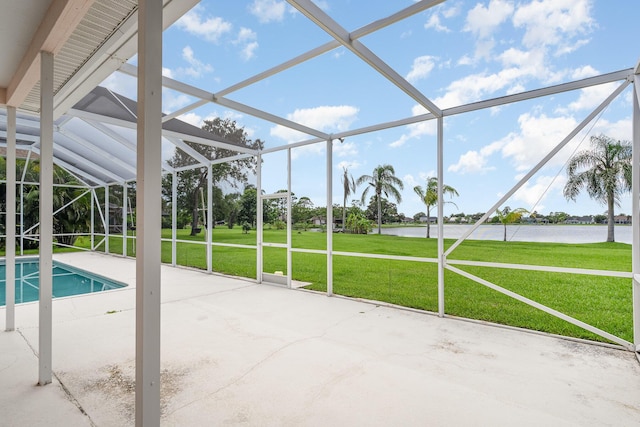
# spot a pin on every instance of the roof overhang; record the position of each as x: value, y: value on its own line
x: 90, y: 39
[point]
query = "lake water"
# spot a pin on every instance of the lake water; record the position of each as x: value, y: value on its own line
x: 522, y: 233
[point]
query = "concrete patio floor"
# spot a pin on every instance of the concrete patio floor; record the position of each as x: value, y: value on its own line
x: 238, y: 353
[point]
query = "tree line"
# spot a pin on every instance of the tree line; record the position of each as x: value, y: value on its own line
x: 604, y: 172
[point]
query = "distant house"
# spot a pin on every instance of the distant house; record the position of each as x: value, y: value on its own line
x: 587, y: 219
x: 432, y: 219
x: 622, y: 219
x: 317, y: 220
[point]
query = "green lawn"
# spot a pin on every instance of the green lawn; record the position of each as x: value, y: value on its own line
x: 600, y: 301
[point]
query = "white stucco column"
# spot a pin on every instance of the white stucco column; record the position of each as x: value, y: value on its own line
x: 149, y: 186
x: 46, y: 219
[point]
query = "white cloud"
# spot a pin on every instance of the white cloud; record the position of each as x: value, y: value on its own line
x: 532, y: 194
x: 537, y: 137
x: 349, y: 165
x: 167, y: 72
x: 122, y: 84
x: 192, y: 118
x: 345, y: 149
x: 247, y: 38
x: 210, y: 28
x: 620, y: 129
x: 590, y: 97
x: 416, y: 130
x: 476, y: 161
x: 421, y: 68
x: 196, y: 119
x: 400, y: 141
x: 584, y: 72
x: 324, y: 118
x: 474, y: 86
x: 248, y: 51
x: 197, y: 68
x: 482, y: 21
x: 554, y: 23
x: 172, y: 101
x: 434, y: 23
x: 268, y: 10
x: 246, y: 35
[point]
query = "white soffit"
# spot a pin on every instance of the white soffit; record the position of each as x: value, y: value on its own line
x: 104, y: 36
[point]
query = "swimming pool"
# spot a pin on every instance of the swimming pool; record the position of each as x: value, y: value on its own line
x: 67, y: 281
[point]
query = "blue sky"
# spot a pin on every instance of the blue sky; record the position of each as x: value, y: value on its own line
x: 455, y: 53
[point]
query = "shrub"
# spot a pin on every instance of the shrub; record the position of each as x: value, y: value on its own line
x: 246, y: 227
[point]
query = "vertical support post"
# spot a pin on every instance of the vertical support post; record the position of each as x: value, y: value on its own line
x: 635, y: 221
x: 10, y: 225
x: 441, y: 255
x: 329, y: 217
x: 289, y: 262
x: 148, y: 226
x: 22, y: 215
x: 259, y: 225
x: 93, y: 220
x: 107, y: 220
x: 174, y: 217
x: 46, y: 218
x: 209, y: 215
x: 125, y: 187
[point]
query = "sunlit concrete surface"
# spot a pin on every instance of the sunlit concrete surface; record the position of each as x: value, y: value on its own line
x: 238, y: 353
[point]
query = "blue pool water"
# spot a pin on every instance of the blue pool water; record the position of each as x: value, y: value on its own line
x: 67, y: 281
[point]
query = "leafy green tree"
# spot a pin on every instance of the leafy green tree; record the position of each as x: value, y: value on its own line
x: 600, y: 219
x: 248, y: 206
x: 388, y: 210
x: 429, y: 196
x: 558, y: 217
x: 507, y: 216
x: 416, y: 217
x: 382, y: 181
x: 69, y: 220
x: 357, y: 223
x: 302, y: 211
x: 604, y: 172
x: 192, y: 183
x: 349, y: 188
x: 232, y: 200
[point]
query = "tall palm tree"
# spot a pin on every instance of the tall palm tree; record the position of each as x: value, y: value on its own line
x: 349, y: 186
x: 508, y: 216
x: 604, y: 171
x: 430, y: 196
x: 382, y: 181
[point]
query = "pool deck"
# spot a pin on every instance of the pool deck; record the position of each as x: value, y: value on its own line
x: 238, y: 353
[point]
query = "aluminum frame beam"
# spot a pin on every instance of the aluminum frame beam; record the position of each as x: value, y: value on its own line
x: 187, y: 89
x: 324, y: 21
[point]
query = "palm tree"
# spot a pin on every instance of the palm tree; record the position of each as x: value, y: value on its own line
x: 382, y: 181
x: 430, y: 196
x: 604, y: 171
x: 508, y: 216
x: 349, y: 186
